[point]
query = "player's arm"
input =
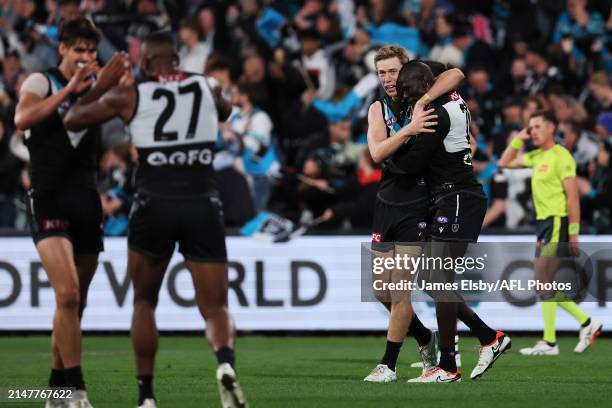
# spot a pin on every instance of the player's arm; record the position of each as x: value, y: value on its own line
x: 512, y: 157
x: 115, y: 69
x: 414, y: 158
x: 381, y: 146
x: 119, y: 101
x: 445, y: 82
x: 33, y: 107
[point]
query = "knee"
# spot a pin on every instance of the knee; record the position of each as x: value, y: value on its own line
x: 145, y: 300
x: 67, y: 297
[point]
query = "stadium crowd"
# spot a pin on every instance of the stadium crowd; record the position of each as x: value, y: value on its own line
x: 300, y: 75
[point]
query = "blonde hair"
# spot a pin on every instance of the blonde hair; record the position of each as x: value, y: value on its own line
x: 391, y: 51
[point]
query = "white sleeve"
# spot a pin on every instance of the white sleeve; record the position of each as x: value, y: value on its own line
x: 36, y: 83
x: 261, y: 128
x: 366, y: 85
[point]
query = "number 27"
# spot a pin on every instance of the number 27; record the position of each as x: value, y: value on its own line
x: 159, y: 134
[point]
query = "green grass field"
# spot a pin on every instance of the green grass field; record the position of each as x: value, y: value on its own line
x: 319, y: 372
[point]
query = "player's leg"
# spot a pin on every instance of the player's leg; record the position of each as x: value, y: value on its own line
x: 202, y: 243
x: 56, y: 255
x: 210, y: 282
x: 382, y: 373
x: 147, y: 274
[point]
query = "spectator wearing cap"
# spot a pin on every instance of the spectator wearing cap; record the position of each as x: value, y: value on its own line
x: 193, y: 52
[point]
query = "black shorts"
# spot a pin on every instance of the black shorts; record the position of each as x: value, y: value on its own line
x: 458, y: 216
x: 196, y: 223
x: 399, y: 223
x: 72, y: 213
x: 552, y: 236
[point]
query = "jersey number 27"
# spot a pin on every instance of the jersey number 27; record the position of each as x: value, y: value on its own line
x: 159, y: 134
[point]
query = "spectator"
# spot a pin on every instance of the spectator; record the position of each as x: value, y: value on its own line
x: 445, y: 50
x: 253, y: 128
x: 316, y: 64
x: 194, y: 52
x: 481, y: 98
x: 10, y: 173
x: 356, y: 200
x: 541, y: 74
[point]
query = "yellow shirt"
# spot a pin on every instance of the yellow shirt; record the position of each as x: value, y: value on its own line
x: 550, y: 168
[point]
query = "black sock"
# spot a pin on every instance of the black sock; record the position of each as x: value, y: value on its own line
x: 485, y: 334
x: 551, y: 344
x: 391, y: 354
x: 74, y: 378
x: 447, y: 359
x: 57, y: 379
x: 420, y: 333
x: 585, y: 324
x: 225, y: 355
x: 145, y: 388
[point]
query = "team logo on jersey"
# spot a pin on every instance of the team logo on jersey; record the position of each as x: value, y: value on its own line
x: 455, y: 227
x: 390, y: 121
x: 376, y: 237
x: 422, y: 225
x: 455, y: 96
x: 467, y: 159
x: 54, y: 224
x: 543, y: 168
x: 442, y: 219
x: 179, y: 158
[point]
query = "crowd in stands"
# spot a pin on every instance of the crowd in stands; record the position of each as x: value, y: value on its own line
x: 300, y: 75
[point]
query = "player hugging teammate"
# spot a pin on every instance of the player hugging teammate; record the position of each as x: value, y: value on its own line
x: 441, y: 155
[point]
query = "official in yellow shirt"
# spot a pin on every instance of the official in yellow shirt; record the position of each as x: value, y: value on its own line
x: 557, y: 204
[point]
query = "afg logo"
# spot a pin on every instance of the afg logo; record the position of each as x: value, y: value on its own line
x: 442, y: 219
x: 543, y: 168
x: 376, y: 237
x: 390, y: 121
